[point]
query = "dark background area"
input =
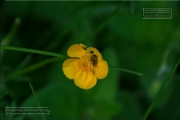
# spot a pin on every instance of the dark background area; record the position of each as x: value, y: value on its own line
x: 148, y: 46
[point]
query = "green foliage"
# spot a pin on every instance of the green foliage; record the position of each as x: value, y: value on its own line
x: 35, y: 36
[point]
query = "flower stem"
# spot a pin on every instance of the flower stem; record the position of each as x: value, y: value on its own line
x: 31, y: 68
x: 126, y: 70
x: 35, y: 97
x: 33, y: 51
x: 4, y: 94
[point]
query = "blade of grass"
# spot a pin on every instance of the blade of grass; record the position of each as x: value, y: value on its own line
x: 24, y: 62
x: 152, y: 106
x: 33, y: 51
x: 133, y: 6
x: 10, y: 36
x: 35, y: 97
x: 57, y: 40
x: 126, y: 70
x: 103, y: 23
x: 31, y: 68
x: 4, y: 94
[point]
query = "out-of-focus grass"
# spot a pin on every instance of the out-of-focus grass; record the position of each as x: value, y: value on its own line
x: 160, y: 92
x: 151, y: 47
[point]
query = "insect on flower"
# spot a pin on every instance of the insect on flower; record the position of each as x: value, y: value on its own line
x: 85, y: 66
x: 93, y: 58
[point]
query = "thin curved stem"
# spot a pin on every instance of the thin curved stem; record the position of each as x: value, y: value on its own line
x: 126, y: 70
x: 33, y: 51
x: 31, y: 68
x: 4, y: 94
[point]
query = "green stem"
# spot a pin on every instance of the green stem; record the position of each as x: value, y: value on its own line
x: 57, y: 40
x: 160, y: 92
x: 10, y: 36
x: 33, y: 51
x: 32, y: 89
x: 100, y: 27
x: 102, y: 24
x: 3, y: 94
x: 126, y: 70
x: 35, y: 97
x: 31, y: 68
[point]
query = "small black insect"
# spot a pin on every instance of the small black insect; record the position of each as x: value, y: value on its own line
x: 91, y: 52
x: 94, y: 59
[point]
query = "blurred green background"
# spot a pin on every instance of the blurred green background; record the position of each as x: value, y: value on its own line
x: 148, y: 46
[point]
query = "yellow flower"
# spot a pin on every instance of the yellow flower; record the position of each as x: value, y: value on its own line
x: 85, y: 66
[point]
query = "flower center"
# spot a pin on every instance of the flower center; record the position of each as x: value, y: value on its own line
x: 85, y: 65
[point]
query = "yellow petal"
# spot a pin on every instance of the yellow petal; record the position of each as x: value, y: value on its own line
x: 70, y: 67
x: 101, y: 69
x: 85, y: 80
x: 96, y: 52
x: 76, y: 50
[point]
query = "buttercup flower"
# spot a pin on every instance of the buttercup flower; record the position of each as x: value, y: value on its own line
x: 85, y: 66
